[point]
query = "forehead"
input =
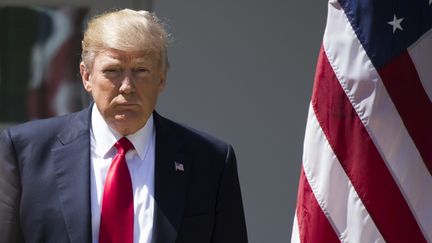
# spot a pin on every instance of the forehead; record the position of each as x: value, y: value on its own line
x: 116, y: 56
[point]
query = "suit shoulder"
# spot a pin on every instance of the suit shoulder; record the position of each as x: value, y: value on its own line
x: 199, y: 139
x: 35, y: 127
x: 42, y: 128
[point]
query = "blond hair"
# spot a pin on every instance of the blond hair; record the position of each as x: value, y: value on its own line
x: 125, y: 30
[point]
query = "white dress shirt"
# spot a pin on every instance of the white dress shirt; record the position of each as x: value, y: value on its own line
x: 141, y: 167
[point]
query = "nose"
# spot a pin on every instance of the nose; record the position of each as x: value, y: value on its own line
x: 127, y: 85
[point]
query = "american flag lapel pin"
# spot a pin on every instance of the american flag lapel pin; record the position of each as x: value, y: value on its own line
x: 178, y: 166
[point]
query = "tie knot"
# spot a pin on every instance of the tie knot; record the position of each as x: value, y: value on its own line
x: 123, y: 145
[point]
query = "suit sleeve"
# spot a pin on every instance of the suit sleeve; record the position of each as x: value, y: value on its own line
x: 230, y: 226
x: 10, y: 191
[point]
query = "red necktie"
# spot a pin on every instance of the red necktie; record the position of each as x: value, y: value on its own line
x: 116, y: 225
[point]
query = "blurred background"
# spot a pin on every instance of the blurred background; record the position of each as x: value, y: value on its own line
x: 241, y: 70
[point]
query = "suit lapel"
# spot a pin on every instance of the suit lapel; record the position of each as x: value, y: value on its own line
x: 72, y: 169
x: 170, y: 182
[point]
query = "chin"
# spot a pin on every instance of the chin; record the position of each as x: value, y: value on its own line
x: 121, y: 117
x: 126, y: 115
x: 129, y: 123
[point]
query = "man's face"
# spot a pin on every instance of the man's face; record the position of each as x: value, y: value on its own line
x: 125, y: 87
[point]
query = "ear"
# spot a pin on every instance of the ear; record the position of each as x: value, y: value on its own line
x: 162, y: 82
x: 85, y: 76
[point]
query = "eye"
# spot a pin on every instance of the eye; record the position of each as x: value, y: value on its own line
x: 141, y: 70
x: 111, y: 72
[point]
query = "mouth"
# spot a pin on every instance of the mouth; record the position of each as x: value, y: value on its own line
x: 126, y: 106
x: 126, y: 103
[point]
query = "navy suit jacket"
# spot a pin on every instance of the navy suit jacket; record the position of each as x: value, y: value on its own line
x: 45, y: 184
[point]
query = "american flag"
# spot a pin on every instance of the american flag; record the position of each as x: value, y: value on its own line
x: 178, y: 166
x: 367, y: 158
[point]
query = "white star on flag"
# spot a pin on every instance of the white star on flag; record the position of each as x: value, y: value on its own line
x: 396, y: 23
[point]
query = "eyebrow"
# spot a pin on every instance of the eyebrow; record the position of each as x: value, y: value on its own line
x: 140, y: 59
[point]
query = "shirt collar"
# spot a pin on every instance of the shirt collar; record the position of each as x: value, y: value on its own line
x: 105, y: 137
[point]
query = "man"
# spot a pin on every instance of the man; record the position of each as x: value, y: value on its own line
x: 118, y: 171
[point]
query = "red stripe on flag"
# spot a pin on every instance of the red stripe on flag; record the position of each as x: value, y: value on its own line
x: 312, y: 223
x: 360, y: 158
x: 406, y: 91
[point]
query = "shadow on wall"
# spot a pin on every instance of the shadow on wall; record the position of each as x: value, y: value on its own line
x: 39, y: 62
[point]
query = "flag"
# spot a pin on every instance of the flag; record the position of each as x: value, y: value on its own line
x: 367, y: 156
x: 178, y: 166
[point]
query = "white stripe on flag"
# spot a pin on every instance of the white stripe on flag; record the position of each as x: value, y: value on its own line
x: 333, y: 190
x: 295, y: 236
x: 421, y: 53
x: 371, y: 101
